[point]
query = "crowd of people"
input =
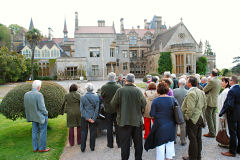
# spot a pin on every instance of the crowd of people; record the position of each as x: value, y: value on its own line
x: 130, y: 111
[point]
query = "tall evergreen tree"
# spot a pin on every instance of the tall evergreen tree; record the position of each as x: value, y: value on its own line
x: 164, y: 62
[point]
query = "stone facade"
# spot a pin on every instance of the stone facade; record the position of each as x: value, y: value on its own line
x: 184, y: 50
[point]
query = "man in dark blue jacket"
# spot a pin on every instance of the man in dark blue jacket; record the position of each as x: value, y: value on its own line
x: 232, y: 108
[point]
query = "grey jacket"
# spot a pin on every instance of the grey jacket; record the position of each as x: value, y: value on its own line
x: 35, y: 107
x: 179, y: 94
x: 89, y: 106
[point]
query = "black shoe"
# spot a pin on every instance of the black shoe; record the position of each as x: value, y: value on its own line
x: 83, y: 150
x: 110, y: 146
x: 92, y: 149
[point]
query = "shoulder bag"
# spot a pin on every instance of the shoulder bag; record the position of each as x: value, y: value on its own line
x: 177, y: 113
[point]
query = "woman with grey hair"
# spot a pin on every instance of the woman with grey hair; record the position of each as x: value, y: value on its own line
x: 89, y: 107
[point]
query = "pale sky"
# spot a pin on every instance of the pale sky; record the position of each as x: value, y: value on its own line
x: 217, y: 21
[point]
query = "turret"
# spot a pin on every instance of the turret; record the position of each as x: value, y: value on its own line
x: 76, y: 21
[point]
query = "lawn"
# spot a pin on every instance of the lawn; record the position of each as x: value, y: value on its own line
x: 142, y: 85
x: 16, y: 139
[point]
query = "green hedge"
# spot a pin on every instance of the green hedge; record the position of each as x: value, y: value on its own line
x: 12, y: 105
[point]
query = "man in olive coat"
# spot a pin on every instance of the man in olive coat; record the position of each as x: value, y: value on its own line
x: 212, y: 90
x: 130, y: 104
x: 107, y: 92
x: 193, y: 108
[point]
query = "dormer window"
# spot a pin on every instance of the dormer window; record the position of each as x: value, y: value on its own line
x: 133, y: 40
x: 148, y: 39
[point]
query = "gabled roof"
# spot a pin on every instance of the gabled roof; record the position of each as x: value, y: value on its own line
x: 140, y: 32
x: 95, y: 29
x: 49, y: 44
x: 165, y: 36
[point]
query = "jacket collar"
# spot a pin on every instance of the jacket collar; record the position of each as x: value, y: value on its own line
x: 192, y: 88
x: 35, y: 90
x: 233, y: 86
x: 130, y: 85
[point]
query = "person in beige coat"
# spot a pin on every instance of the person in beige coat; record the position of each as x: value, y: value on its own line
x: 212, y: 90
x: 149, y: 95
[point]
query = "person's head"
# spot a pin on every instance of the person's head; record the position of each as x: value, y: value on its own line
x: 89, y: 87
x: 162, y: 88
x: 192, y: 82
x: 152, y: 86
x: 167, y: 74
x: 37, y: 85
x: 214, y: 73
x: 173, y: 76
x: 130, y: 78
x: 184, y: 76
x: 204, y: 80
x: 167, y: 82
x: 182, y: 82
x: 73, y: 88
x: 149, y: 77
x: 155, y: 79
x: 198, y: 77
x: 120, y: 77
x: 233, y: 80
x: 225, y: 82
x: 111, y: 76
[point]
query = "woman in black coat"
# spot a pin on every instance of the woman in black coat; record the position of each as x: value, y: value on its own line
x: 162, y: 134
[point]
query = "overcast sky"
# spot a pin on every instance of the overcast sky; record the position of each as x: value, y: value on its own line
x: 217, y: 21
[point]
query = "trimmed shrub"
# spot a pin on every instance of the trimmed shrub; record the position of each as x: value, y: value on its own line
x: 12, y: 105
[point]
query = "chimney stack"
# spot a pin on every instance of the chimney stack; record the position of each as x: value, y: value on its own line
x: 76, y: 21
x: 121, y: 26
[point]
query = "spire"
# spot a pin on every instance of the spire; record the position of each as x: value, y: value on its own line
x: 76, y: 21
x: 31, y: 26
x: 65, y: 32
x: 65, y: 27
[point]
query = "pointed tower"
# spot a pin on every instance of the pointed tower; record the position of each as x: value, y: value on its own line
x: 31, y: 26
x: 121, y: 26
x: 65, y: 32
x: 76, y: 21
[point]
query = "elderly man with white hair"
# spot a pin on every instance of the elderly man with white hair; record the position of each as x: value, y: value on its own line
x: 107, y: 92
x: 203, y: 82
x: 130, y: 105
x: 167, y: 75
x: 89, y: 107
x: 179, y: 94
x: 37, y: 113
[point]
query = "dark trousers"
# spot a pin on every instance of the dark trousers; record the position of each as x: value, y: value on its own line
x: 71, y: 135
x: 125, y: 133
x: 111, y: 120
x: 84, y: 133
x: 194, y: 132
x: 234, y: 131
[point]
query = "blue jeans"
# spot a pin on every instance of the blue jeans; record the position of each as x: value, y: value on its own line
x: 42, y: 129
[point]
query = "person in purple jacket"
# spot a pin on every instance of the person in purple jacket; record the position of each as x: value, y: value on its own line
x: 170, y: 93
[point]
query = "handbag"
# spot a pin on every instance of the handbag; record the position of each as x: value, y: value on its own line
x: 222, y: 136
x: 177, y: 113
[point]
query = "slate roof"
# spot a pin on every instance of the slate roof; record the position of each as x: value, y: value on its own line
x: 95, y: 29
x: 49, y: 44
x: 140, y: 32
x: 165, y: 36
x: 58, y: 40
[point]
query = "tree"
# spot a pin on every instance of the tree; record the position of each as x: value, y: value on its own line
x: 5, y: 36
x: 236, y: 59
x: 208, y: 50
x: 226, y: 72
x: 33, y: 37
x: 12, y: 65
x: 202, y: 65
x: 164, y: 62
x: 15, y: 28
x: 236, y: 69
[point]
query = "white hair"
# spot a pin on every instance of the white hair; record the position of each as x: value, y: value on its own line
x: 198, y: 77
x: 167, y: 74
x: 36, y: 84
x: 111, y: 76
x: 204, y: 79
x: 89, y: 87
x: 173, y: 75
x: 182, y: 81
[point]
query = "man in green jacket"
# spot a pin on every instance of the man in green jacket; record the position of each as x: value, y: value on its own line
x: 193, y: 108
x: 107, y: 92
x: 212, y: 90
x: 130, y: 104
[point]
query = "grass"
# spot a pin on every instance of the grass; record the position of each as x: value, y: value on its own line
x: 141, y: 85
x: 16, y: 139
